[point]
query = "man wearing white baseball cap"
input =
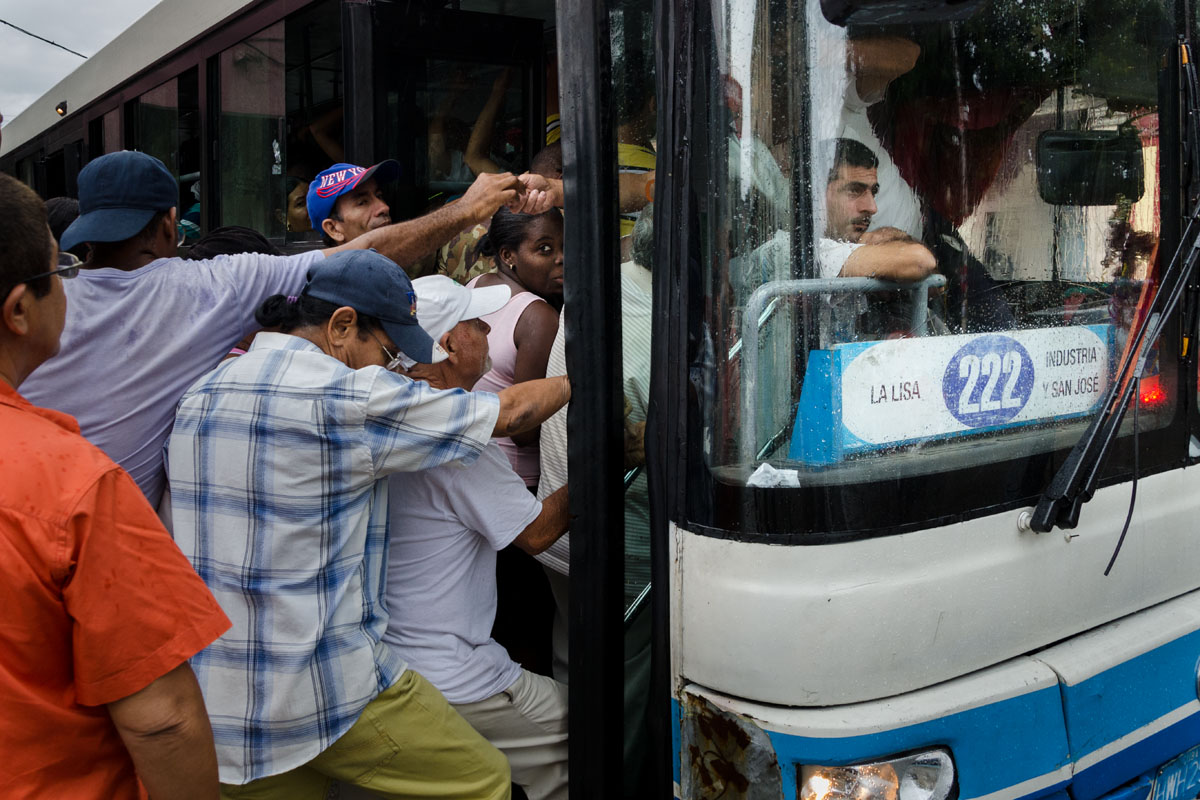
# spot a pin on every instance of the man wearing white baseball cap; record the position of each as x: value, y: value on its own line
x: 445, y: 526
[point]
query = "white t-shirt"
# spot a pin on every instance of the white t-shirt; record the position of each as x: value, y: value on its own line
x: 772, y: 259
x: 135, y: 341
x: 445, y: 526
x: 899, y: 207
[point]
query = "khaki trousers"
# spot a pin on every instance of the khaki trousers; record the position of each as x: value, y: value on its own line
x: 407, y: 743
x: 528, y: 723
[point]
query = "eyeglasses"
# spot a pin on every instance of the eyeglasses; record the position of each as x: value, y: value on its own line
x: 68, y: 267
x: 394, y: 360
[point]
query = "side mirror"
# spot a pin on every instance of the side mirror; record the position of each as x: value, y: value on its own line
x: 897, y: 12
x: 1089, y: 168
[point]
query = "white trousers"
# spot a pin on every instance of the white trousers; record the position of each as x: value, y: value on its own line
x: 528, y: 723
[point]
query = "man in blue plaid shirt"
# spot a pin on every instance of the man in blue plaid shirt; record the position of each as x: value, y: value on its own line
x: 277, y: 464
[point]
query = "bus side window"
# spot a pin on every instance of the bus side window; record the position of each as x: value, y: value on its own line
x: 165, y: 122
x: 313, y: 110
x: 250, y: 132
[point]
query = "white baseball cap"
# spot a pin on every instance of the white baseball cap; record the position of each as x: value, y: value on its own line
x: 443, y: 302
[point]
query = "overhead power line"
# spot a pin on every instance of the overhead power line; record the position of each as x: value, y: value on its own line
x: 41, y: 38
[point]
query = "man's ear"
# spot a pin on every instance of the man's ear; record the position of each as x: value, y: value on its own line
x: 15, y: 311
x: 332, y: 230
x: 342, y: 326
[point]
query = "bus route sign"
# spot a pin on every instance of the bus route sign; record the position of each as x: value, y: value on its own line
x: 865, y: 396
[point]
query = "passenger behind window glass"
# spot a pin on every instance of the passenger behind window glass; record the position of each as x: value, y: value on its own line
x: 973, y: 299
x: 448, y: 135
x: 637, y: 110
x: 848, y: 248
x: 312, y: 146
x: 294, y: 215
x: 464, y: 143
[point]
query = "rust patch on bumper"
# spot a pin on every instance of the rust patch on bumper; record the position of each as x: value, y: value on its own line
x: 725, y: 756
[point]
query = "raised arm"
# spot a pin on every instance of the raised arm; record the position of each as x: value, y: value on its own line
x: 895, y: 260
x: 406, y: 242
x: 166, y: 730
x: 549, y: 525
x: 476, y: 155
x: 524, y: 406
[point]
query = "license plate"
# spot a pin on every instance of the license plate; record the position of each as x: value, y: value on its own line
x: 1179, y: 779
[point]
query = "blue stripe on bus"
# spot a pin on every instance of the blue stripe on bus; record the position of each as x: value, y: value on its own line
x: 1148, y: 754
x: 1129, y: 696
x: 676, y: 739
x: 1004, y: 744
x: 994, y: 746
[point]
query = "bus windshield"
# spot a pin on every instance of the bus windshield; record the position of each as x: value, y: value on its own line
x: 932, y: 233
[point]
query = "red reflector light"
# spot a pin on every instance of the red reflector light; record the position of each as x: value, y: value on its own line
x: 1151, y: 392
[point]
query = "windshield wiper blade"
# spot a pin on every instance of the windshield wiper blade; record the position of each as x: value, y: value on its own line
x: 1075, y: 482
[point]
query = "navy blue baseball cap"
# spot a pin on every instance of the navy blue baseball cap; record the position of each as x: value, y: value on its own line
x: 374, y: 285
x: 118, y: 196
x: 334, y: 182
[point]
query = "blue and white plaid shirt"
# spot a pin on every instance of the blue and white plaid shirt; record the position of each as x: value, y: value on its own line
x: 276, y: 464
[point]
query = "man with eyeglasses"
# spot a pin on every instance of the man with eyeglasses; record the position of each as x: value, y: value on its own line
x: 278, y: 463
x: 95, y: 687
x: 143, y: 324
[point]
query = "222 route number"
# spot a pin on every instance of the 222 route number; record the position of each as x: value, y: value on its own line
x: 988, y: 381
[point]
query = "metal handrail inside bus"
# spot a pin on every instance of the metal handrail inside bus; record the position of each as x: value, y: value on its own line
x: 766, y: 297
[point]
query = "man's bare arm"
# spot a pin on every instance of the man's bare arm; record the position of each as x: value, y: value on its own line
x: 166, y: 730
x: 524, y: 406
x: 892, y: 261
x: 632, y: 194
x: 406, y: 242
x: 876, y: 61
x: 549, y: 525
x: 884, y: 235
x: 631, y: 189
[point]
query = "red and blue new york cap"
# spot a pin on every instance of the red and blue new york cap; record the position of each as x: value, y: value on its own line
x: 334, y: 182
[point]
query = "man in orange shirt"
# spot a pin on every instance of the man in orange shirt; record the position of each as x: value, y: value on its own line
x: 101, y: 609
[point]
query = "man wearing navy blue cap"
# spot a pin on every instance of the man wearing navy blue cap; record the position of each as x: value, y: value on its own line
x: 142, y: 324
x: 278, y: 462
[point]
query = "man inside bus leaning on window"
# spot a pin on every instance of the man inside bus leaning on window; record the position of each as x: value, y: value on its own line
x: 142, y: 324
x: 96, y: 695
x: 846, y: 248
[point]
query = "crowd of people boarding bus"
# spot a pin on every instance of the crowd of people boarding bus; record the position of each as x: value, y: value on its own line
x: 252, y: 502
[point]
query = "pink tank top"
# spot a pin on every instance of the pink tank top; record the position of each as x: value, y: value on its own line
x: 503, y: 351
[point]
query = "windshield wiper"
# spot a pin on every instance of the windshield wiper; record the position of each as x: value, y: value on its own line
x: 1075, y: 482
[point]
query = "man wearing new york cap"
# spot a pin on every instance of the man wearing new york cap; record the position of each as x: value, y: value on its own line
x: 143, y: 324
x: 278, y: 461
x: 346, y: 201
x: 447, y: 524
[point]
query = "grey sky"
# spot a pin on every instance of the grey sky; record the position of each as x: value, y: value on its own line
x: 29, y: 68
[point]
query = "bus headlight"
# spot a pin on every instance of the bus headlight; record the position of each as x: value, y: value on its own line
x: 921, y: 776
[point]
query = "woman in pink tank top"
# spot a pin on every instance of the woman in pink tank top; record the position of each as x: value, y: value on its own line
x: 528, y: 251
